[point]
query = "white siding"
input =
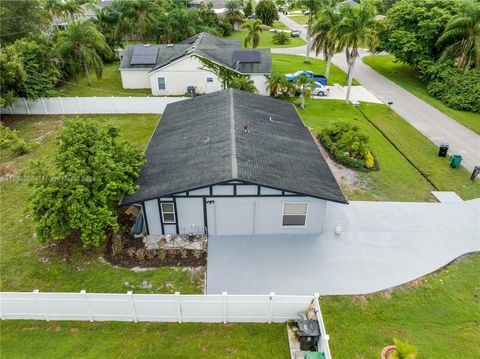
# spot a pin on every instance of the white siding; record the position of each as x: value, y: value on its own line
x: 223, y: 190
x: 135, y: 79
x: 265, y: 190
x: 247, y: 189
x: 261, y: 84
x: 153, y: 217
x: 190, y: 215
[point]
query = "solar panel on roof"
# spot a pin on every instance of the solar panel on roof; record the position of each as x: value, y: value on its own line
x: 144, y: 55
x: 247, y: 57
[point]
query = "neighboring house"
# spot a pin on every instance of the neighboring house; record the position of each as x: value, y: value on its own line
x: 171, y: 69
x: 231, y: 163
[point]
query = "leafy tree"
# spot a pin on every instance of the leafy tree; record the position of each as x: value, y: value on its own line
x: 280, y: 38
x: 233, y: 12
x: 462, y: 37
x: 323, y: 33
x: 18, y: 18
x: 254, y: 31
x: 224, y: 74
x: 81, y: 47
x: 79, y: 197
x: 304, y: 86
x: 55, y: 8
x: 208, y: 16
x: 278, y: 84
x: 266, y: 11
x: 248, y: 10
x: 12, y: 75
x: 244, y: 83
x: 72, y: 9
x: 142, y: 17
x: 357, y: 28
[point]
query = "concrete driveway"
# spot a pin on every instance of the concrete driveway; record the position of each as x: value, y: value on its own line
x: 382, y: 244
x: 358, y: 93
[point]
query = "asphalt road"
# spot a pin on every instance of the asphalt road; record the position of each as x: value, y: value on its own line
x: 432, y: 123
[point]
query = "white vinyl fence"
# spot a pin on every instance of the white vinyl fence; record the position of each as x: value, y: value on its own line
x: 89, y: 105
x: 176, y: 307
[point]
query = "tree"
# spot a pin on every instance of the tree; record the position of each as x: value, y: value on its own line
x: 233, y: 12
x: 81, y: 47
x: 72, y: 8
x: 461, y: 37
x: 55, y: 9
x: 280, y: 38
x: 18, y: 18
x: 304, y: 86
x: 248, y: 10
x: 254, y: 31
x: 142, y: 16
x: 79, y: 197
x: 278, y: 84
x: 323, y: 33
x: 244, y: 83
x: 224, y: 74
x: 312, y: 6
x: 13, y: 75
x: 357, y: 28
x: 266, y: 11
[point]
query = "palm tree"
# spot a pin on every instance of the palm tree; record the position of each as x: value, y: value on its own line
x: 357, y: 27
x: 304, y: 85
x: 144, y: 13
x: 324, y: 35
x: 254, y: 31
x: 72, y: 8
x: 233, y: 12
x: 55, y: 8
x: 312, y: 6
x: 81, y: 47
x: 463, y: 34
x: 244, y: 83
x: 277, y: 83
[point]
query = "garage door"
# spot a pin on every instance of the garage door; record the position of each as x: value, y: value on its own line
x: 234, y: 218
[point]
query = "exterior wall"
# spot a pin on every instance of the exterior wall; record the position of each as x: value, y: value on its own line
x: 190, y: 215
x: 261, y: 84
x: 180, y: 75
x: 135, y: 79
x: 153, y: 217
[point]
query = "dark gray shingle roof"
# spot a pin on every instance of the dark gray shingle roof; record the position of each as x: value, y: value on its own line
x: 200, y: 142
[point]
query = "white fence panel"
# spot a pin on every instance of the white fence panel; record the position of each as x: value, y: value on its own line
x: 90, y: 105
x: 155, y: 308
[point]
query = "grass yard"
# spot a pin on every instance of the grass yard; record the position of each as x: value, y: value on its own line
x: 25, y: 265
x: 397, y: 179
x: 266, y: 39
x: 109, y: 85
x: 406, y: 77
x: 300, y: 19
x: 439, y: 314
x: 292, y: 63
x: 280, y: 25
x: 38, y: 339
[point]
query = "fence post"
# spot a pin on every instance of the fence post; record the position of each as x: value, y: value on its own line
x: 179, y: 307
x: 87, y: 304
x: 26, y: 105
x: 134, y: 312
x: 37, y: 296
x: 270, y: 307
x: 78, y: 104
x: 61, y: 105
x: 225, y: 313
x: 44, y: 107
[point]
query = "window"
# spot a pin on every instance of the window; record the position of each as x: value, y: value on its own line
x: 161, y: 83
x: 209, y: 79
x: 294, y: 214
x: 168, y: 212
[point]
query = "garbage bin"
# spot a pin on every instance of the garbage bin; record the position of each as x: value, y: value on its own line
x: 455, y: 161
x: 443, y: 149
x: 309, y: 333
x: 191, y: 90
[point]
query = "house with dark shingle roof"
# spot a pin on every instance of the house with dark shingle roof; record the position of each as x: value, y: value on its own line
x: 233, y: 162
x: 172, y: 69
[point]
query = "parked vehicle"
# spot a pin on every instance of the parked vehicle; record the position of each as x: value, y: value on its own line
x: 252, y: 17
x: 320, y: 90
x: 294, y: 33
x: 318, y: 78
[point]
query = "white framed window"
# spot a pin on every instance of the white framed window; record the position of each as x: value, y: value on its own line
x: 161, y: 83
x: 168, y: 212
x: 294, y: 214
x: 209, y: 79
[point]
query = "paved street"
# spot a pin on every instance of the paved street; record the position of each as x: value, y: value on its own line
x: 427, y: 119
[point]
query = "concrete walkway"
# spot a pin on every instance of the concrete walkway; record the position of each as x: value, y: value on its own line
x: 432, y: 123
x: 382, y: 245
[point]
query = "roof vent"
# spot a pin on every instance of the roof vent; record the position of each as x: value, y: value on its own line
x: 245, y: 128
x: 170, y: 45
x: 146, y: 45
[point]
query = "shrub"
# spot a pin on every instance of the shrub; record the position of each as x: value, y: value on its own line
x: 8, y: 137
x: 227, y: 28
x: 280, y: 38
x: 20, y: 147
x: 347, y: 145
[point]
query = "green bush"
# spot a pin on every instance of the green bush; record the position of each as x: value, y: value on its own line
x: 280, y: 38
x: 347, y: 145
x: 20, y: 147
x: 9, y: 140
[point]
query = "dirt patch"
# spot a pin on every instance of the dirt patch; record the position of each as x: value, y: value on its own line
x: 8, y: 170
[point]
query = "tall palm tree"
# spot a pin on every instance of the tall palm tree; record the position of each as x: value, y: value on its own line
x: 244, y: 83
x: 357, y: 27
x: 323, y: 33
x: 72, y: 8
x: 312, y: 6
x: 144, y: 13
x: 254, y: 31
x: 233, y: 12
x: 55, y: 8
x: 304, y: 85
x: 463, y: 34
x: 277, y: 83
x: 81, y: 47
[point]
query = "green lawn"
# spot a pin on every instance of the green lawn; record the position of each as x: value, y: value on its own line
x: 397, y: 179
x: 300, y: 19
x: 26, y: 266
x: 407, y: 77
x: 280, y: 25
x: 266, y: 39
x: 439, y: 314
x: 37, y: 339
x: 292, y: 63
x: 109, y: 85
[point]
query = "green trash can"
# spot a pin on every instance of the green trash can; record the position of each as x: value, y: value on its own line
x: 454, y: 161
x: 314, y: 355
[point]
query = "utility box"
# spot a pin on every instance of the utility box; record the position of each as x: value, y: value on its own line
x: 455, y: 161
x: 442, y: 150
x: 309, y: 333
x: 191, y: 90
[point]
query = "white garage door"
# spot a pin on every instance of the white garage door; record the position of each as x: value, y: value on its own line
x: 234, y: 218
